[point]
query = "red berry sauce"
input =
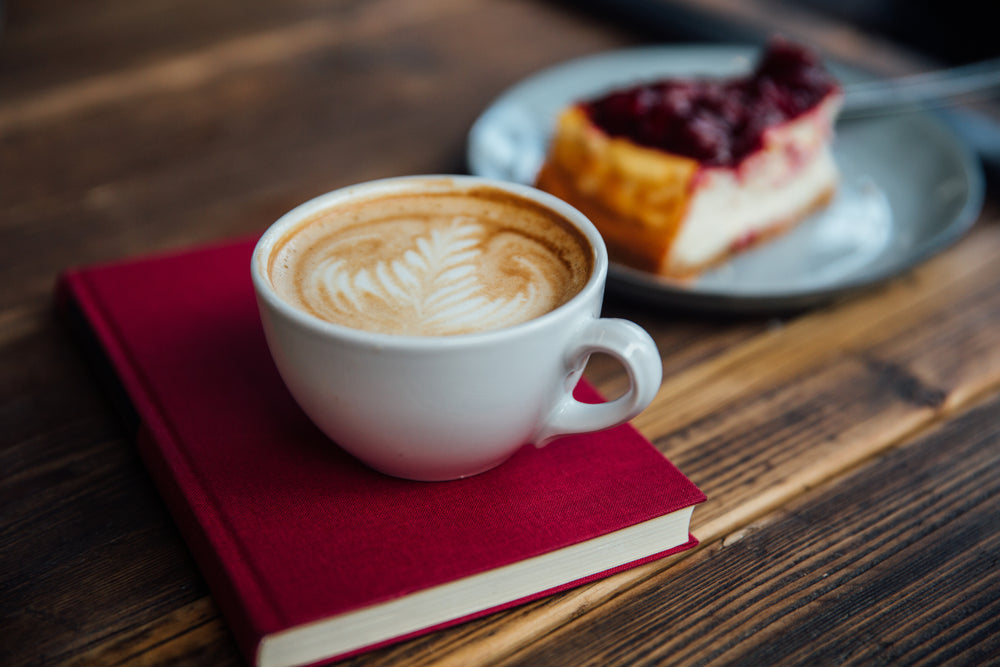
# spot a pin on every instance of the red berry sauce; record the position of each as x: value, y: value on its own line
x: 717, y: 122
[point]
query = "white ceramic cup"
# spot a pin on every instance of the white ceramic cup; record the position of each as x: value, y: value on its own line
x: 445, y: 407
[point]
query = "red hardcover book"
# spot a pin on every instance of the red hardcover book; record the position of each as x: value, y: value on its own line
x: 311, y: 555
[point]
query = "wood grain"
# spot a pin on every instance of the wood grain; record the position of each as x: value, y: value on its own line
x: 817, y: 581
x: 838, y: 442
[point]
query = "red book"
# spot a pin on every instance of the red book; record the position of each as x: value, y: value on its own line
x: 310, y: 554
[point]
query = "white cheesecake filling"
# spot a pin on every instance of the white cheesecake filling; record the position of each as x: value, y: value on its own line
x: 771, y: 188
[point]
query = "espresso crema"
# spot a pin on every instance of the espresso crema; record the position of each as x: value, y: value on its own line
x: 431, y: 264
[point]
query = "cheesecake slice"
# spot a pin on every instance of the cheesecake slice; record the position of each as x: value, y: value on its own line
x: 680, y: 174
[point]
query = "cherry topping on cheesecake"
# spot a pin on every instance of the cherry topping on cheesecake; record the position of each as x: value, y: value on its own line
x: 717, y: 122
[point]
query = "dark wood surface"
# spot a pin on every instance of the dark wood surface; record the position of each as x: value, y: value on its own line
x: 850, y: 453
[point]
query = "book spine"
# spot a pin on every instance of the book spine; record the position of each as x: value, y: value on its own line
x: 189, y: 502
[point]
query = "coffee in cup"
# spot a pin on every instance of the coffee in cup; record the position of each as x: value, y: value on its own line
x: 431, y: 263
x: 433, y: 325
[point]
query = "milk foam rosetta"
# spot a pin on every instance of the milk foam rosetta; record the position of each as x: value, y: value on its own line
x: 431, y: 264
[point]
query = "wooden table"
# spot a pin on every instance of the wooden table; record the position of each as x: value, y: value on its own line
x: 851, y: 454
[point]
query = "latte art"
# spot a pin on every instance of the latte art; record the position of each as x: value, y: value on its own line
x: 431, y: 266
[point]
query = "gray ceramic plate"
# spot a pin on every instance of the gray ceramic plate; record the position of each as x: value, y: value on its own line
x: 909, y: 187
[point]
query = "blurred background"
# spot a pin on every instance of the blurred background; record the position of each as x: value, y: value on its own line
x: 950, y: 31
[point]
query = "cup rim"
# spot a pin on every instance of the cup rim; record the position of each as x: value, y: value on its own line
x: 265, y: 290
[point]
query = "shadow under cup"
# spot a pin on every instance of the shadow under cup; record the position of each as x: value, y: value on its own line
x: 440, y: 406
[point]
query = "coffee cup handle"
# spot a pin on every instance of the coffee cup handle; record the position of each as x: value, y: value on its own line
x: 637, y: 353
